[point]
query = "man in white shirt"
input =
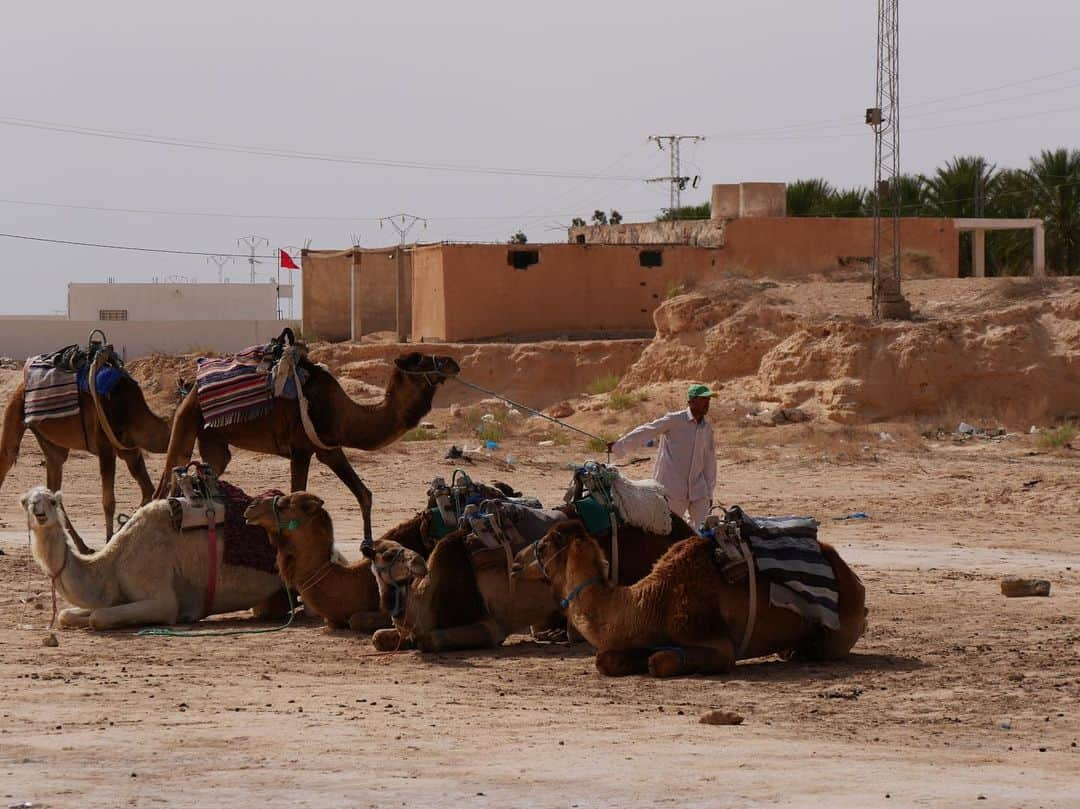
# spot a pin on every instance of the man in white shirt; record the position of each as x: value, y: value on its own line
x: 686, y: 463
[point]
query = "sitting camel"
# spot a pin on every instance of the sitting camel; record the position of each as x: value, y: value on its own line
x: 462, y: 596
x: 130, y: 421
x: 685, y: 617
x: 150, y: 573
x: 336, y: 419
x: 344, y: 594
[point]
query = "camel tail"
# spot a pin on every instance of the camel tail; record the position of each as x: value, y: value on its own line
x: 12, y: 433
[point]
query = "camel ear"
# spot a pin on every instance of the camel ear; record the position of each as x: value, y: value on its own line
x: 417, y: 566
x: 58, y: 498
x: 310, y: 504
x: 25, y: 499
x: 368, y: 550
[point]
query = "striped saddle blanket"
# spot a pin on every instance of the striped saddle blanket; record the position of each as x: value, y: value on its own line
x: 238, y: 388
x: 52, y: 392
x: 786, y: 551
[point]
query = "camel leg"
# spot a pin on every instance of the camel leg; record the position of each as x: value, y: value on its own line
x: 336, y: 460
x: 368, y: 622
x: 276, y: 606
x: 11, y: 437
x: 299, y: 466
x: 390, y: 640
x: 716, y: 658
x: 136, y: 464
x: 55, y: 458
x: 214, y: 450
x: 622, y: 662
x: 74, y: 618
x: 481, y: 635
x: 186, y: 427
x: 107, y: 465
x: 137, y: 613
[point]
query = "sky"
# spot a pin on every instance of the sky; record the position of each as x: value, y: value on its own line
x: 510, y: 116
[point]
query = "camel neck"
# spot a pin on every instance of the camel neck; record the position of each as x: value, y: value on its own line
x: 83, y: 581
x: 371, y: 426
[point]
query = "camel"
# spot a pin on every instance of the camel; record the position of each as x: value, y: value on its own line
x: 338, y: 422
x: 685, y: 617
x: 131, y: 421
x: 343, y: 594
x: 458, y: 599
x: 149, y: 574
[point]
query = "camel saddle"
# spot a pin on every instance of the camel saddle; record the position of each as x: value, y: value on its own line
x: 195, y: 497
x: 500, y: 528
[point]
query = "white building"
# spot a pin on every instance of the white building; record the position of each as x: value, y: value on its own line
x: 167, y: 318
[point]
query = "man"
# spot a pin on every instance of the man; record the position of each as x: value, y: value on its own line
x: 686, y: 464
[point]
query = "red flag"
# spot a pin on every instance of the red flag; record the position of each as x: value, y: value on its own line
x: 285, y: 261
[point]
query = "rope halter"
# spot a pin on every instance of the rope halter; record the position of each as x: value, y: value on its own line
x: 282, y: 526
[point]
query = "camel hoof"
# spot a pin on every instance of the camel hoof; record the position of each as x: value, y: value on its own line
x: 386, y: 640
x: 666, y: 664
x: 616, y: 664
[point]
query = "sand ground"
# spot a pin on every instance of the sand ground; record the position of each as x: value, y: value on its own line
x: 957, y: 696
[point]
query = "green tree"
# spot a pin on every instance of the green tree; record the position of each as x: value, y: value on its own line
x: 599, y: 217
x: 809, y: 197
x: 846, y: 202
x: 577, y: 222
x: 702, y: 211
x: 1054, y: 186
x: 519, y: 238
x: 963, y: 187
x: 615, y: 217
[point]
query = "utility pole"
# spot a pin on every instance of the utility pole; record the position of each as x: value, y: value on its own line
x: 355, y: 238
x: 675, y: 178
x: 252, y: 244
x: 884, y: 119
x: 402, y: 223
x: 219, y: 262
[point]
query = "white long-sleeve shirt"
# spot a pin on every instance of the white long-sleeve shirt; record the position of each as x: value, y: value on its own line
x: 686, y: 463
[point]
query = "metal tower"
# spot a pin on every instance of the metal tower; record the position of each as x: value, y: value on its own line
x: 678, y: 182
x: 884, y: 119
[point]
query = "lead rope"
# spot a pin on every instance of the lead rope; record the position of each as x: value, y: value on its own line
x: 751, y: 616
x: 99, y: 360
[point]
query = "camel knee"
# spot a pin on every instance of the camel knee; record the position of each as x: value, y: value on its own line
x: 74, y: 618
x: 620, y: 662
x: 275, y: 606
x: 389, y: 640
x: 369, y: 622
x: 667, y: 663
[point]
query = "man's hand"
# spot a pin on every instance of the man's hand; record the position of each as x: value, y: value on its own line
x: 610, y: 446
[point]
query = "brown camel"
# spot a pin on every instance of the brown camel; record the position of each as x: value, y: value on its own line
x: 454, y: 602
x: 338, y: 422
x: 131, y: 421
x: 345, y: 595
x: 685, y: 617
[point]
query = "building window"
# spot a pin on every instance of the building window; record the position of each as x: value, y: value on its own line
x: 651, y: 258
x: 522, y: 259
x: 112, y: 314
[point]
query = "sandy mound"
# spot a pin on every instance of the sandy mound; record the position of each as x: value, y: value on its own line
x: 981, y: 347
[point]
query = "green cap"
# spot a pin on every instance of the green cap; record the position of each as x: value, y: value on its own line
x: 697, y: 391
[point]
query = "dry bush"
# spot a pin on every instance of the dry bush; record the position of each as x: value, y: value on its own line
x: 1058, y: 437
x: 619, y: 401
x: 603, y: 384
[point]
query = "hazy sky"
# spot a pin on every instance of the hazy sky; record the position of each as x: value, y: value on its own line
x: 555, y: 87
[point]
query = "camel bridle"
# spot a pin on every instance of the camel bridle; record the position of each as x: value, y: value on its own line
x: 283, y: 526
x: 436, y: 371
x: 399, y: 587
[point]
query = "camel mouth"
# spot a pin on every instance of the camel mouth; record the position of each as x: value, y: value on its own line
x: 41, y: 517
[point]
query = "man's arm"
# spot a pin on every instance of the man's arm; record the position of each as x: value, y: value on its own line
x: 641, y: 436
x: 709, y: 466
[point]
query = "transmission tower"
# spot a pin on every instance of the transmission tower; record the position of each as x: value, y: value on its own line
x: 675, y: 178
x: 219, y: 262
x: 402, y: 223
x: 252, y: 244
x: 884, y: 119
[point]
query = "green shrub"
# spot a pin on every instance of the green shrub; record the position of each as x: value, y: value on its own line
x: 420, y: 434
x: 1058, y: 437
x: 624, y: 401
x: 603, y: 384
x: 599, y: 444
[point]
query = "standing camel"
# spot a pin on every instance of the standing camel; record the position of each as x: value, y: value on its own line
x: 337, y: 420
x: 130, y: 421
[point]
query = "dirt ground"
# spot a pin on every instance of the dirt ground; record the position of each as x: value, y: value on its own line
x: 956, y: 696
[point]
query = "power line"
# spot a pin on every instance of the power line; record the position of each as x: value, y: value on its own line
x: 103, y: 246
x: 261, y: 151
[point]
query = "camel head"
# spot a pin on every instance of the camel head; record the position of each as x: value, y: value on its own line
x: 567, y: 544
x: 42, y: 507
x: 432, y: 369
x: 285, y: 517
x: 395, y: 568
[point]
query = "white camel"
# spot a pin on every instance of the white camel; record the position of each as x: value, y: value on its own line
x: 150, y: 573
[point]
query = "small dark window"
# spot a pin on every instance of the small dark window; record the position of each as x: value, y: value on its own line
x: 580, y: 238
x: 651, y: 258
x: 522, y: 259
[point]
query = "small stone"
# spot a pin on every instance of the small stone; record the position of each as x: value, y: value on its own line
x: 427, y: 425
x: 561, y: 411
x: 1018, y: 587
x: 720, y: 718
x: 50, y: 640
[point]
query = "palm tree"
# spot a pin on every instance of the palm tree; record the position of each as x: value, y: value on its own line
x: 809, y: 197
x: 1008, y: 252
x: 1054, y: 185
x: 846, y: 202
x: 962, y: 188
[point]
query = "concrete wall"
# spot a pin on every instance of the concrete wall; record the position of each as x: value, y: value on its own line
x: 174, y: 301
x: 573, y: 289
x: 762, y: 199
x: 22, y: 337
x: 327, y: 292
x: 795, y: 246
x: 697, y: 232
